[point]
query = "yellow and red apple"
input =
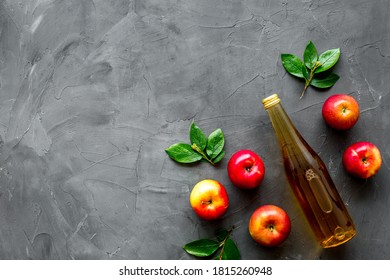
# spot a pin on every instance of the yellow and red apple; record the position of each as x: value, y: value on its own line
x: 362, y: 159
x: 269, y: 225
x: 341, y: 111
x: 209, y: 199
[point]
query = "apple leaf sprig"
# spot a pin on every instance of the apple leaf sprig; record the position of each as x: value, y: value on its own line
x: 204, y: 248
x: 207, y: 148
x: 312, y: 65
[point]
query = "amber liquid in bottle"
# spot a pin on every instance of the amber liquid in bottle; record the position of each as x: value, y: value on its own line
x: 310, y: 181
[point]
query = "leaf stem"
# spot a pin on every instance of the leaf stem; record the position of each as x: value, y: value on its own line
x: 223, y: 242
x: 197, y: 149
x: 308, y: 81
x: 305, y: 88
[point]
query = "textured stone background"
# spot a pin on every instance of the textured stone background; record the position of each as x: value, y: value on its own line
x: 92, y: 92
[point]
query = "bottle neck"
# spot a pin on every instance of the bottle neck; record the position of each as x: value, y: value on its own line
x: 285, y: 131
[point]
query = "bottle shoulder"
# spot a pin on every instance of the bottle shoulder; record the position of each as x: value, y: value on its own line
x: 300, y: 155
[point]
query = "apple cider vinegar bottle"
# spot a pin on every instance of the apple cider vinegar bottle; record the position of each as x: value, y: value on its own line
x: 310, y: 181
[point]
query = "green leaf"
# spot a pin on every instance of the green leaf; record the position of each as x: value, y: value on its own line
x: 183, y: 153
x: 310, y: 55
x: 197, y: 136
x: 219, y: 157
x: 201, y: 247
x: 221, y: 234
x: 328, y: 59
x: 215, y: 143
x: 230, y: 251
x: 305, y: 73
x: 325, y: 82
x: 292, y: 64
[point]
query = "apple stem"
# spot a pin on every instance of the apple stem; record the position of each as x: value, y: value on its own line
x: 197, y: 149
x: 206, y: 202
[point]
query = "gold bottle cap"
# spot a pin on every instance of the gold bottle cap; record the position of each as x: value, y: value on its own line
x: 271, y: 101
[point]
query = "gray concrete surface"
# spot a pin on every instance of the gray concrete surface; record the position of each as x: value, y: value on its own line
x: 92, y: 92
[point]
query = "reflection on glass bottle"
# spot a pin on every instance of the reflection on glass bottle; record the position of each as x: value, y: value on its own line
x: 310, y: 181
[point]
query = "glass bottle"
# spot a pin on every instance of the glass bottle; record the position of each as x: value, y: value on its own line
x: 310, y: 181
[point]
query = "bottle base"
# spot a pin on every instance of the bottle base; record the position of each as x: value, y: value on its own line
x: 338, y: 239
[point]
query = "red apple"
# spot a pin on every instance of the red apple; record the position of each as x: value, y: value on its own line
x: 246, y: 169
x: 362, y: 159
x: 209, y: 199
x: 341, y: 111
x: 269, y: 225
